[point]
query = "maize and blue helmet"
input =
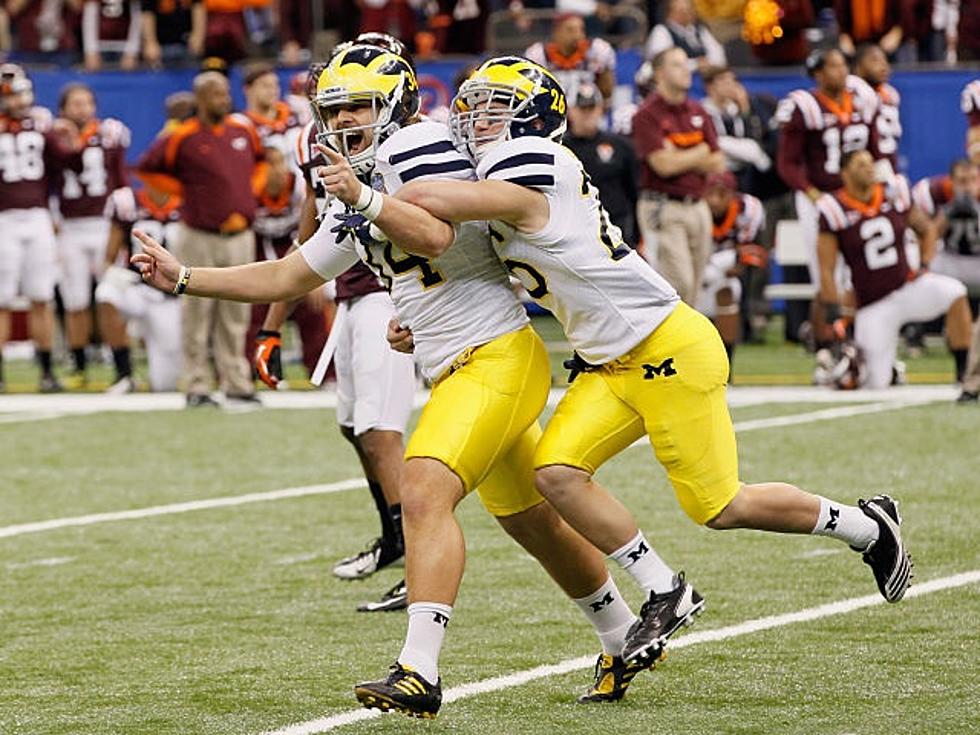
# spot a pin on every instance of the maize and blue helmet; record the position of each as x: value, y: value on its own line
x: 365, y: 75
x: 511, y: 90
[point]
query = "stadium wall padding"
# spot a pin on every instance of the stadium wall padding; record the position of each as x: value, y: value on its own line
x: 933, y: 123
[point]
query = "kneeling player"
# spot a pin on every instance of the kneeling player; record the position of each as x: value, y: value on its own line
x: 736, y: 221
x: 122, y: 297
x: 866, y: 224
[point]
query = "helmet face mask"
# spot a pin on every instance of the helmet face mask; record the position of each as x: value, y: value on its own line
x: 379, y: 93
x: 505, y: 98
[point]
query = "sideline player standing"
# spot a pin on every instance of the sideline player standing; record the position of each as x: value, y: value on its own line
x: 817, y: 126
x: 32, y: 150
x: 84, y: 228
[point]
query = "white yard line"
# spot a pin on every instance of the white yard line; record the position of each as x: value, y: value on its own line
x: 496, y: 684
x: 53, y: 561
x: 36, y: 407
x: 191, y: 505
x: 353, y: 483
x: 809, y: 417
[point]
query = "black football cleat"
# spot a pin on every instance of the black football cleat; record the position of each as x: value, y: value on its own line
x: 887, y: 557
x: 613, y: 676
x: 394, y: 599
x: 402, y: 691
x: 968, y: 397
x: 377, y: 555
x: 660, y: 617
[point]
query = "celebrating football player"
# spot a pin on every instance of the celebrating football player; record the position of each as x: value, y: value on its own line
x: 650, y: 365
x: 489, y: 369
x: 375, y: 387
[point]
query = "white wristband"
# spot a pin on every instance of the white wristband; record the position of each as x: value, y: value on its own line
x: 364, y: 198
x: 373, y: 209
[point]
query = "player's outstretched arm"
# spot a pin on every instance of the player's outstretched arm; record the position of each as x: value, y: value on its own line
x: 271, y: 280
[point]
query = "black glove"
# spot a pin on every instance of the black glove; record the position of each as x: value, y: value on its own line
x: 575, y: 365
x: 353, y: 224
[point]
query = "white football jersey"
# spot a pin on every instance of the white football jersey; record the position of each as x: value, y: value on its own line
x: 459, y: 300
x: 607, y: 298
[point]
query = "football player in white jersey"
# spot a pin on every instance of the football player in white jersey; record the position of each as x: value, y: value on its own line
x: 489, y: 369
x: 651, y: 365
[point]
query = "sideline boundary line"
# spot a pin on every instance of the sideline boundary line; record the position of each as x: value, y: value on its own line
x: 508, y: 681
x: 353, y: 483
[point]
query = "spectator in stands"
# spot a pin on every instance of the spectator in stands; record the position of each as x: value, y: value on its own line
x: 787, y: 46
x: 574, y: 58
x: 738, y: 136
x: 44, y: 30
x: 608, y: 159
x: 396, y: 17
x: 172, y: 30
x: 215, y: 161
x: 678, y: 147
x: 460, y: 26
x: 682, y: 29
x: 968, y: 31
x: 225, y: 33
x: 296, y: 25
x: 869, y: 21
x: 111, y: 28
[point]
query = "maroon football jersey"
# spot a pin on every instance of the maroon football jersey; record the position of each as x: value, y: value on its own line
x: 136, y: 211
x: 359, y: 280
x: 871, y: 237
x: 280, y: 131
x: 740, y: 225
x: 30, y: 154
x: 115, y: 17
x: 816, y: 132
x: 84, y: 194
x: 932, y: 194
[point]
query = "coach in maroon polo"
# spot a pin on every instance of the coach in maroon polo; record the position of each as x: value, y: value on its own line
x: 678, y: 147
x: 214, y: 160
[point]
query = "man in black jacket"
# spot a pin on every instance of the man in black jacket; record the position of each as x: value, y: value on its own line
x: 608, y: 159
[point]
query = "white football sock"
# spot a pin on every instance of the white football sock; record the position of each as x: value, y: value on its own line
x: 427, y: 623
x: 644, y: 565
x: 610, y: 616
x: 847, y: 523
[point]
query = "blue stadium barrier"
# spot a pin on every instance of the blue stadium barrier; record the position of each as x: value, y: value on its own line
x: 934, y: 126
